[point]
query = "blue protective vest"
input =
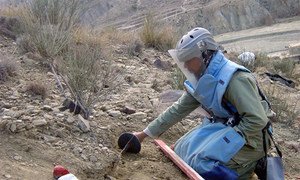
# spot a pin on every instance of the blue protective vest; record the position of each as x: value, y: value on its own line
x: 209, y: 146
x: 212, y: 85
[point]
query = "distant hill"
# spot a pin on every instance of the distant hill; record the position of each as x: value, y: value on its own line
x: 219, y: 16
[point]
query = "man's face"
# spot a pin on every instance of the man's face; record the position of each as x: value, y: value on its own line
x: 195, y: 66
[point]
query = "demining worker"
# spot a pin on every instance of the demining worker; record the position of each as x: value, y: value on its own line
x: 229, y: 143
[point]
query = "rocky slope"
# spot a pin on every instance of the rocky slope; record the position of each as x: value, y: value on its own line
x: 35, y: 134
x: 218, y: 16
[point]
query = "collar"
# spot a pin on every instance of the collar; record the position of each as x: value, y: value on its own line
x: 216, y: 63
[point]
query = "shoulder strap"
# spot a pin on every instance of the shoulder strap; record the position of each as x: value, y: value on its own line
x: 268, y: 130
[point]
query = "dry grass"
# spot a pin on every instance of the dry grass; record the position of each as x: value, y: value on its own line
x: 7, y: 69
x: 49, y: 24
x: 25, y: 44
x: 157, y: 36
x: 88, y: 74
x: 285, y: 66
x: 11, y: 11
x: 283, y: 104
x: 127, y: 42
x: 37, y: 89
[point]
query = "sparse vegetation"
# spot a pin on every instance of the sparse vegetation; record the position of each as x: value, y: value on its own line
x: 162, y: 38
x: 282, y: 104
x: 134, y: 48
x: 7, y: 69
x: 89, y: 75
x: 25, y: 44
x: 285, y: 66
x: 37, y: 89
x: 49, y: 24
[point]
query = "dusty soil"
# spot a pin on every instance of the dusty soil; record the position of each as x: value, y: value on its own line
x: 35, y: 135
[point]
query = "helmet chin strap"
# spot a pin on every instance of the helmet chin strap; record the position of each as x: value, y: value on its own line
x: 205, y: 60
x: 207, y: 55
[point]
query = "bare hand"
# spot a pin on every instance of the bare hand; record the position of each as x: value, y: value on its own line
x: 140, y: 135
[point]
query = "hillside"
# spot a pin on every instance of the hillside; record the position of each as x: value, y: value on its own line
x: 35, y: 134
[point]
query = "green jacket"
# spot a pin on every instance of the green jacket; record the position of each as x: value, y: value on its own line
x: 242, y: 93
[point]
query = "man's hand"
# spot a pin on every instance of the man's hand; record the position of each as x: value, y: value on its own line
x: 140, y: 135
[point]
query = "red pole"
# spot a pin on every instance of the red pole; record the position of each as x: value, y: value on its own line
x: 190, y: 172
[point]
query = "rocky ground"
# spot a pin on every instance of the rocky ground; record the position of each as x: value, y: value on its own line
x: 35, y: 135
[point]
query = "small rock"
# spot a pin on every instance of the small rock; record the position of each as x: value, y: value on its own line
x: 293, y: 145
x: 103, y: 108
x: 144, y: 120
x: 60, y: 115
x: 93, y: 124
x: 47, y: 108
x: 6, y: 117
x: 114, y: 113
x: 8, y: 176
x: 77, y: 150
x: 93, y: 158
x: 70, y: 119
x: 36, y: 111
x: 47, y: 116
x: 135, y: 164
x: 105, y: 148
x: 10, y: 113
x: 108, y: 177
x: 103, y: 127
x: 50, y: 139
x: 84, y: 157
x: 3, y: 124
x: 280, y: 141
x: 39, y: 122
x: 50, y: 74
x: 128, y: 110
x: 26, y: 118
x: 83, y: 124
x: 17, y: 158
x: 13, y: 127
x: 139, y: 116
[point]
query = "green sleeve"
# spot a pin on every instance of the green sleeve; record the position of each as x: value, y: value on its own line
x: 185, y: 105
x: 242, y: 93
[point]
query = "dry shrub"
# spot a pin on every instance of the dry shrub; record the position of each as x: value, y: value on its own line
x: 37, y: 89
x: 162, y: 38
x: 25, y: 44
x: 11, y: 10
x: 134, y: 48
x: 7, y: 69
x: 86, y: 35
x: 261, y: 60
x: 49, y: 24
x: 283, y: 104
x: 127, y: 42
x: 88, y: 74
x: 285, y: 66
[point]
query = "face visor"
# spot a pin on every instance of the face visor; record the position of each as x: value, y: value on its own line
x: 181, y: 56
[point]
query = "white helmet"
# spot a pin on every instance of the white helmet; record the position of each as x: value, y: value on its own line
x: 193, y: 44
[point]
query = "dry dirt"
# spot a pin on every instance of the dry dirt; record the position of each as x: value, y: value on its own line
x: 35, y: 135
